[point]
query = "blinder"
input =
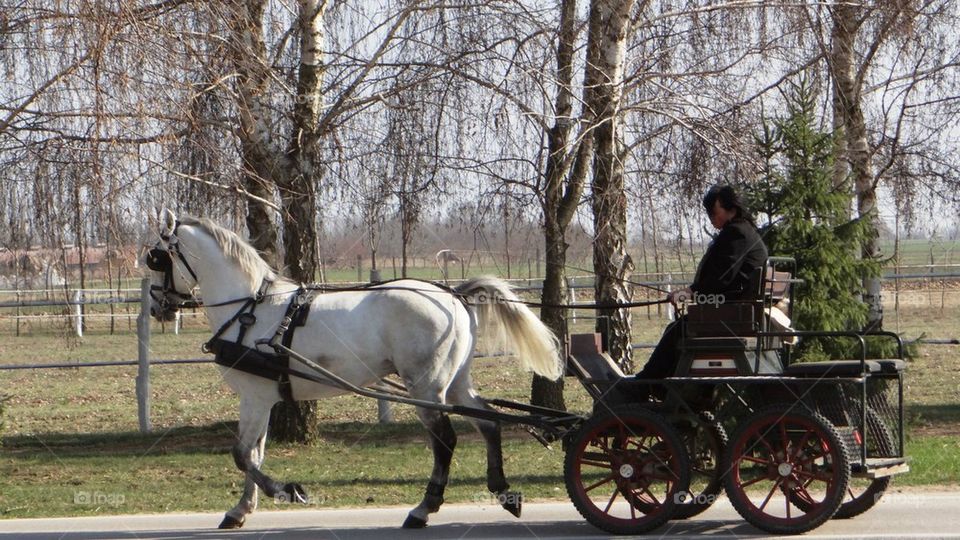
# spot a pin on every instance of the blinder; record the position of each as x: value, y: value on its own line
x: 159, y: 260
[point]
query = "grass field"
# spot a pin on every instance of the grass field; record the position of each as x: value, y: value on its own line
x: 71, y: 445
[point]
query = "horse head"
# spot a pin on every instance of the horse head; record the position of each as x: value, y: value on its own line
x: 172, y: 279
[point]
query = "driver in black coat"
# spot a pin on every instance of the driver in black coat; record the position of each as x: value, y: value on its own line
x: 724, y: 272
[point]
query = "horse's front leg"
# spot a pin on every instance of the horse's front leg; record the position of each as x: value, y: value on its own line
x: 443, y: 440
x: 248, y: 501
x: 248, y: 456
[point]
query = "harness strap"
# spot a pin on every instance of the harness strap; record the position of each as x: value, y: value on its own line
x: 295, y: 316
x: 246, y: 319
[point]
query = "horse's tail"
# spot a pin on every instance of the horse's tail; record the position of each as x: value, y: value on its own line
x: 501, y: 313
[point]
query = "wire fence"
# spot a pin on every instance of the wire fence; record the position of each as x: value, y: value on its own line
x: 934, y: 289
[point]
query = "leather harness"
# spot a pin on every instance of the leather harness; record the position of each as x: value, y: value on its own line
x: 275, y: 365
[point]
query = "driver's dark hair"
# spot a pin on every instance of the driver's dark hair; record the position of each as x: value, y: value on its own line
x: 729, y: 200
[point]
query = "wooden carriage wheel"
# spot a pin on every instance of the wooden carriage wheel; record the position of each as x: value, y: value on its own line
x: 624, y: 470
x: 781, y: 455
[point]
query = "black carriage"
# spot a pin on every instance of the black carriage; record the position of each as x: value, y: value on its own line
x: 792, y: 444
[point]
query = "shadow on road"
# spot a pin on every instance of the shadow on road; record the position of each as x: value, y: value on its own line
x: 539, y: 530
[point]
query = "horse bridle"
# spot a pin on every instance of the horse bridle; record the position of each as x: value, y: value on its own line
x: 160, y: 260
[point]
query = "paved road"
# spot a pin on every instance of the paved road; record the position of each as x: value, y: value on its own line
x: 906, y: 515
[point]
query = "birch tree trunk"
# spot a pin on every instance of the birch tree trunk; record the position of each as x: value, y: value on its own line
x: 260, y: 167
x: 847, y: 86
x: 298, y: 185
x: 297, y: 422
x: 610, y: 20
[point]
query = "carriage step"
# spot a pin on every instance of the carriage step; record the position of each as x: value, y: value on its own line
x: 880, y: 468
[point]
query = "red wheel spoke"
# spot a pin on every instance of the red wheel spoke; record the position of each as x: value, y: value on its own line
x: 756, y: 460
x: 783, y: 437
x: 612, y: 498
x: 656, y: 501
x: 814, y: 476
x: 803, y: 442
x: 603, y: 465
x: 762, y: 438
x: 598, y: 484
x: 801, y: 491
x: 769, y: 495
x: 622, y: 434
x: 754, y: 481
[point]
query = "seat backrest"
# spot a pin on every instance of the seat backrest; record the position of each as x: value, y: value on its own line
x: 734, y: 319
x: 776, y: 285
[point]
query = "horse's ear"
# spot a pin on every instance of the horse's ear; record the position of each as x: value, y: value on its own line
x: 168, y: 222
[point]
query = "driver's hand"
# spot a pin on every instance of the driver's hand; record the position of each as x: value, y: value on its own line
x: 678, y: 297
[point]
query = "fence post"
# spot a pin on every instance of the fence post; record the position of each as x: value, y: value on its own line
x: 143, y: 358
x: 78, y: 311
x: 384, y: 409
x: 669, y: 290
x: 177, y: 322
x: 571, y: 299
x: 18, y: 310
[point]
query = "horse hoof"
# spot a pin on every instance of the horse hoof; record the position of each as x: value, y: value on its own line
x: 413, y: 522
x: 231, y: 523
x: 293, y: 493
x: 511, y: 501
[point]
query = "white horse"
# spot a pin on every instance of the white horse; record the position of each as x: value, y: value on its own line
x: 424, y: 333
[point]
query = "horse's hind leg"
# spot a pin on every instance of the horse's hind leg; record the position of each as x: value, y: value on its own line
x: 461, y: 393
x: 443, y: 440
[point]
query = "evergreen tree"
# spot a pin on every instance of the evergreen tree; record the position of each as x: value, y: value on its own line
x: 808, y: 219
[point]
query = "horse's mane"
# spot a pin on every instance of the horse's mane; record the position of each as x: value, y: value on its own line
x: 236, y: 249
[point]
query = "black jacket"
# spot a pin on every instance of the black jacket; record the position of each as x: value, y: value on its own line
x: 730, y: 261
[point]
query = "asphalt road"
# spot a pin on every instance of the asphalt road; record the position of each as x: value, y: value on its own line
x: 898, y: 515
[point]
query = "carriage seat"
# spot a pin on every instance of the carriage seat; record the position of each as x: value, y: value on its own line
x: 744, y: 316
x: 832, y: 368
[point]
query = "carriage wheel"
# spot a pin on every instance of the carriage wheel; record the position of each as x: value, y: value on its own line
x: 782, y: 455
x: 863, y: 493
x: 704, y: 441
x: 625, y: 469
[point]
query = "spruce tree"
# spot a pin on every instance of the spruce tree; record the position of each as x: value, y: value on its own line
x: 807, y: 218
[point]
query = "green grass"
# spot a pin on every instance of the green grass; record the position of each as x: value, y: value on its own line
x: 934, y: 460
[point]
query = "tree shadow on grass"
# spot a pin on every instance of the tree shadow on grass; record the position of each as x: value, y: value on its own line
x: 214, y: 438
x: 939, y: 419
